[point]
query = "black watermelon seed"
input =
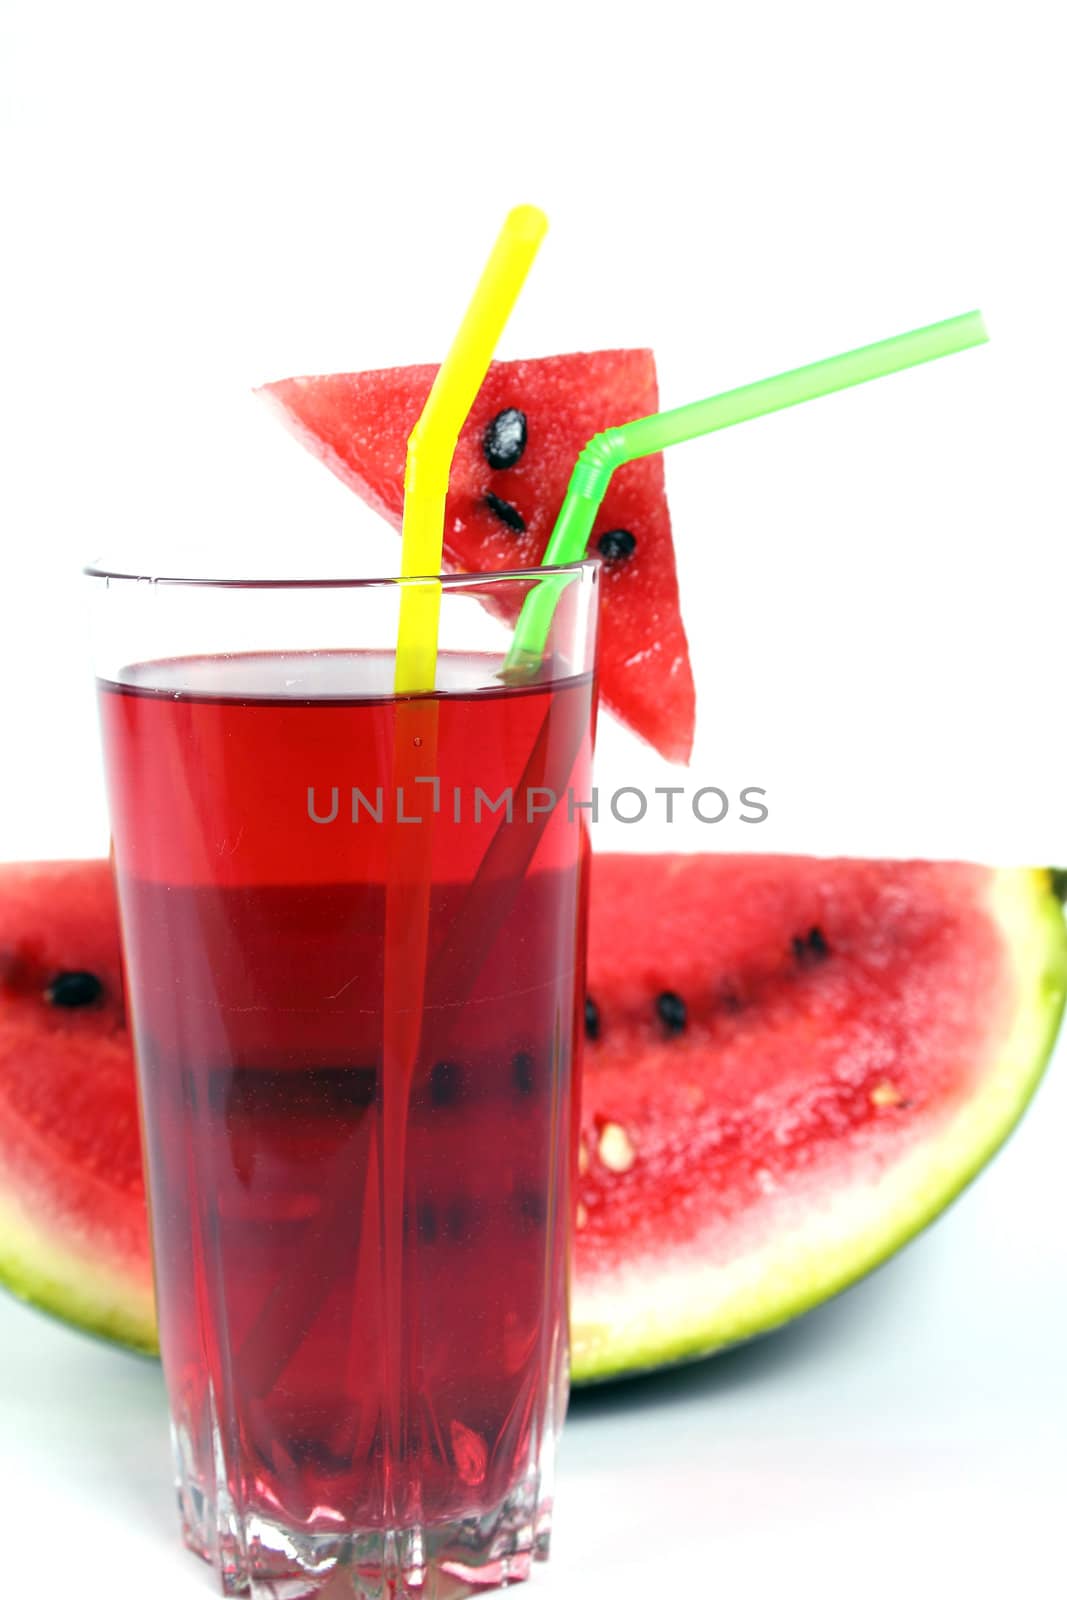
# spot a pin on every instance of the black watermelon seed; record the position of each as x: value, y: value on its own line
x: 427, y: 1221
x: 524, y: 1072
x: 810, y: 948
x: 460, y: 1220
x: 531, y: 1206
x: 74, y: 989
x: 504, y: 439
x: 509, y: 515
x: 311, y: 1452
x: 670, y: 1008
x: 616, y: 544
x: 446, y: 1084
x: 592, y: 1018
x: 278, y: 1092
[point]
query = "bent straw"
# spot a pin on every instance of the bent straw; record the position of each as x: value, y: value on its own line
x: 432, y: 442
x: 290, y: 1310
x: 611, y: 449
x: 429, y: 458
x: 430, y: 450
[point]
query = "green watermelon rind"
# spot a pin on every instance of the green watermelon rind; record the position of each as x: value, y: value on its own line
x: 653, y: 1314
x: 72, y: 1286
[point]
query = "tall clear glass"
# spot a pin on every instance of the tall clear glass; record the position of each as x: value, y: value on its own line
x: 354, y: 928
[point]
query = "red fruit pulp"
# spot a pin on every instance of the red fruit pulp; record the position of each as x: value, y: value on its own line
x: 499, y: 519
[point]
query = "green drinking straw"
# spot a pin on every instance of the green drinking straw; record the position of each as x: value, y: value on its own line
x: 611, y: 449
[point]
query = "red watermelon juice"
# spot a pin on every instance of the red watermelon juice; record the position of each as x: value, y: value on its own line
x: 362, y: 1310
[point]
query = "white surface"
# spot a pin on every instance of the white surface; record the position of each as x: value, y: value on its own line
x: 906, y: 1440
x: 208, y: 196
x: 201, y: 197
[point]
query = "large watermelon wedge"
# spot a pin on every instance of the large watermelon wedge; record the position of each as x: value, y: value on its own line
x: 798, y: 1065
x: 793, y: 1065
x: 509, y: 477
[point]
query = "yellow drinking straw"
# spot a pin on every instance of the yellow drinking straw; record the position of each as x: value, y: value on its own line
x: 410, y: 871
x: 432, y: 443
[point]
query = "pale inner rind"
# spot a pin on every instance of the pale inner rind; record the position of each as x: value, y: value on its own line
x: 58, y: 1276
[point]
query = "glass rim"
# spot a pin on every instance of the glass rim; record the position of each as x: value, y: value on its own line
x: 447, y: 580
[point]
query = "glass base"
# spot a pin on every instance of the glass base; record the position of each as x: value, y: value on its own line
x: 262, y: 1559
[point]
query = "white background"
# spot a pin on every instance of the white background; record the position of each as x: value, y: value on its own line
x: 200, y: 197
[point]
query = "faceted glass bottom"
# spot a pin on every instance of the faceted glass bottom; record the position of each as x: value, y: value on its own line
x: 431, y: 1563
x: 264, y: 1560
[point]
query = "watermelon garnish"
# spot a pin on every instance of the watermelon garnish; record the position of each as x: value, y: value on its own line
x: 509, y: 479
x: 793, y: 1065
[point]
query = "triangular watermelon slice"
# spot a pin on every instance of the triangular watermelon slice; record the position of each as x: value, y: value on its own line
x: 531, y: 419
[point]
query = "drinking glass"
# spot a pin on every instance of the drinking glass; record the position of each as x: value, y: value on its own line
x: 353, y: 926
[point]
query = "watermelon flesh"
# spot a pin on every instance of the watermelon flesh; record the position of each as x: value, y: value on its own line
x: 798, y: 1064
x: 73, y: 1233
x: 499, y: 519
x: 792, y: 1066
